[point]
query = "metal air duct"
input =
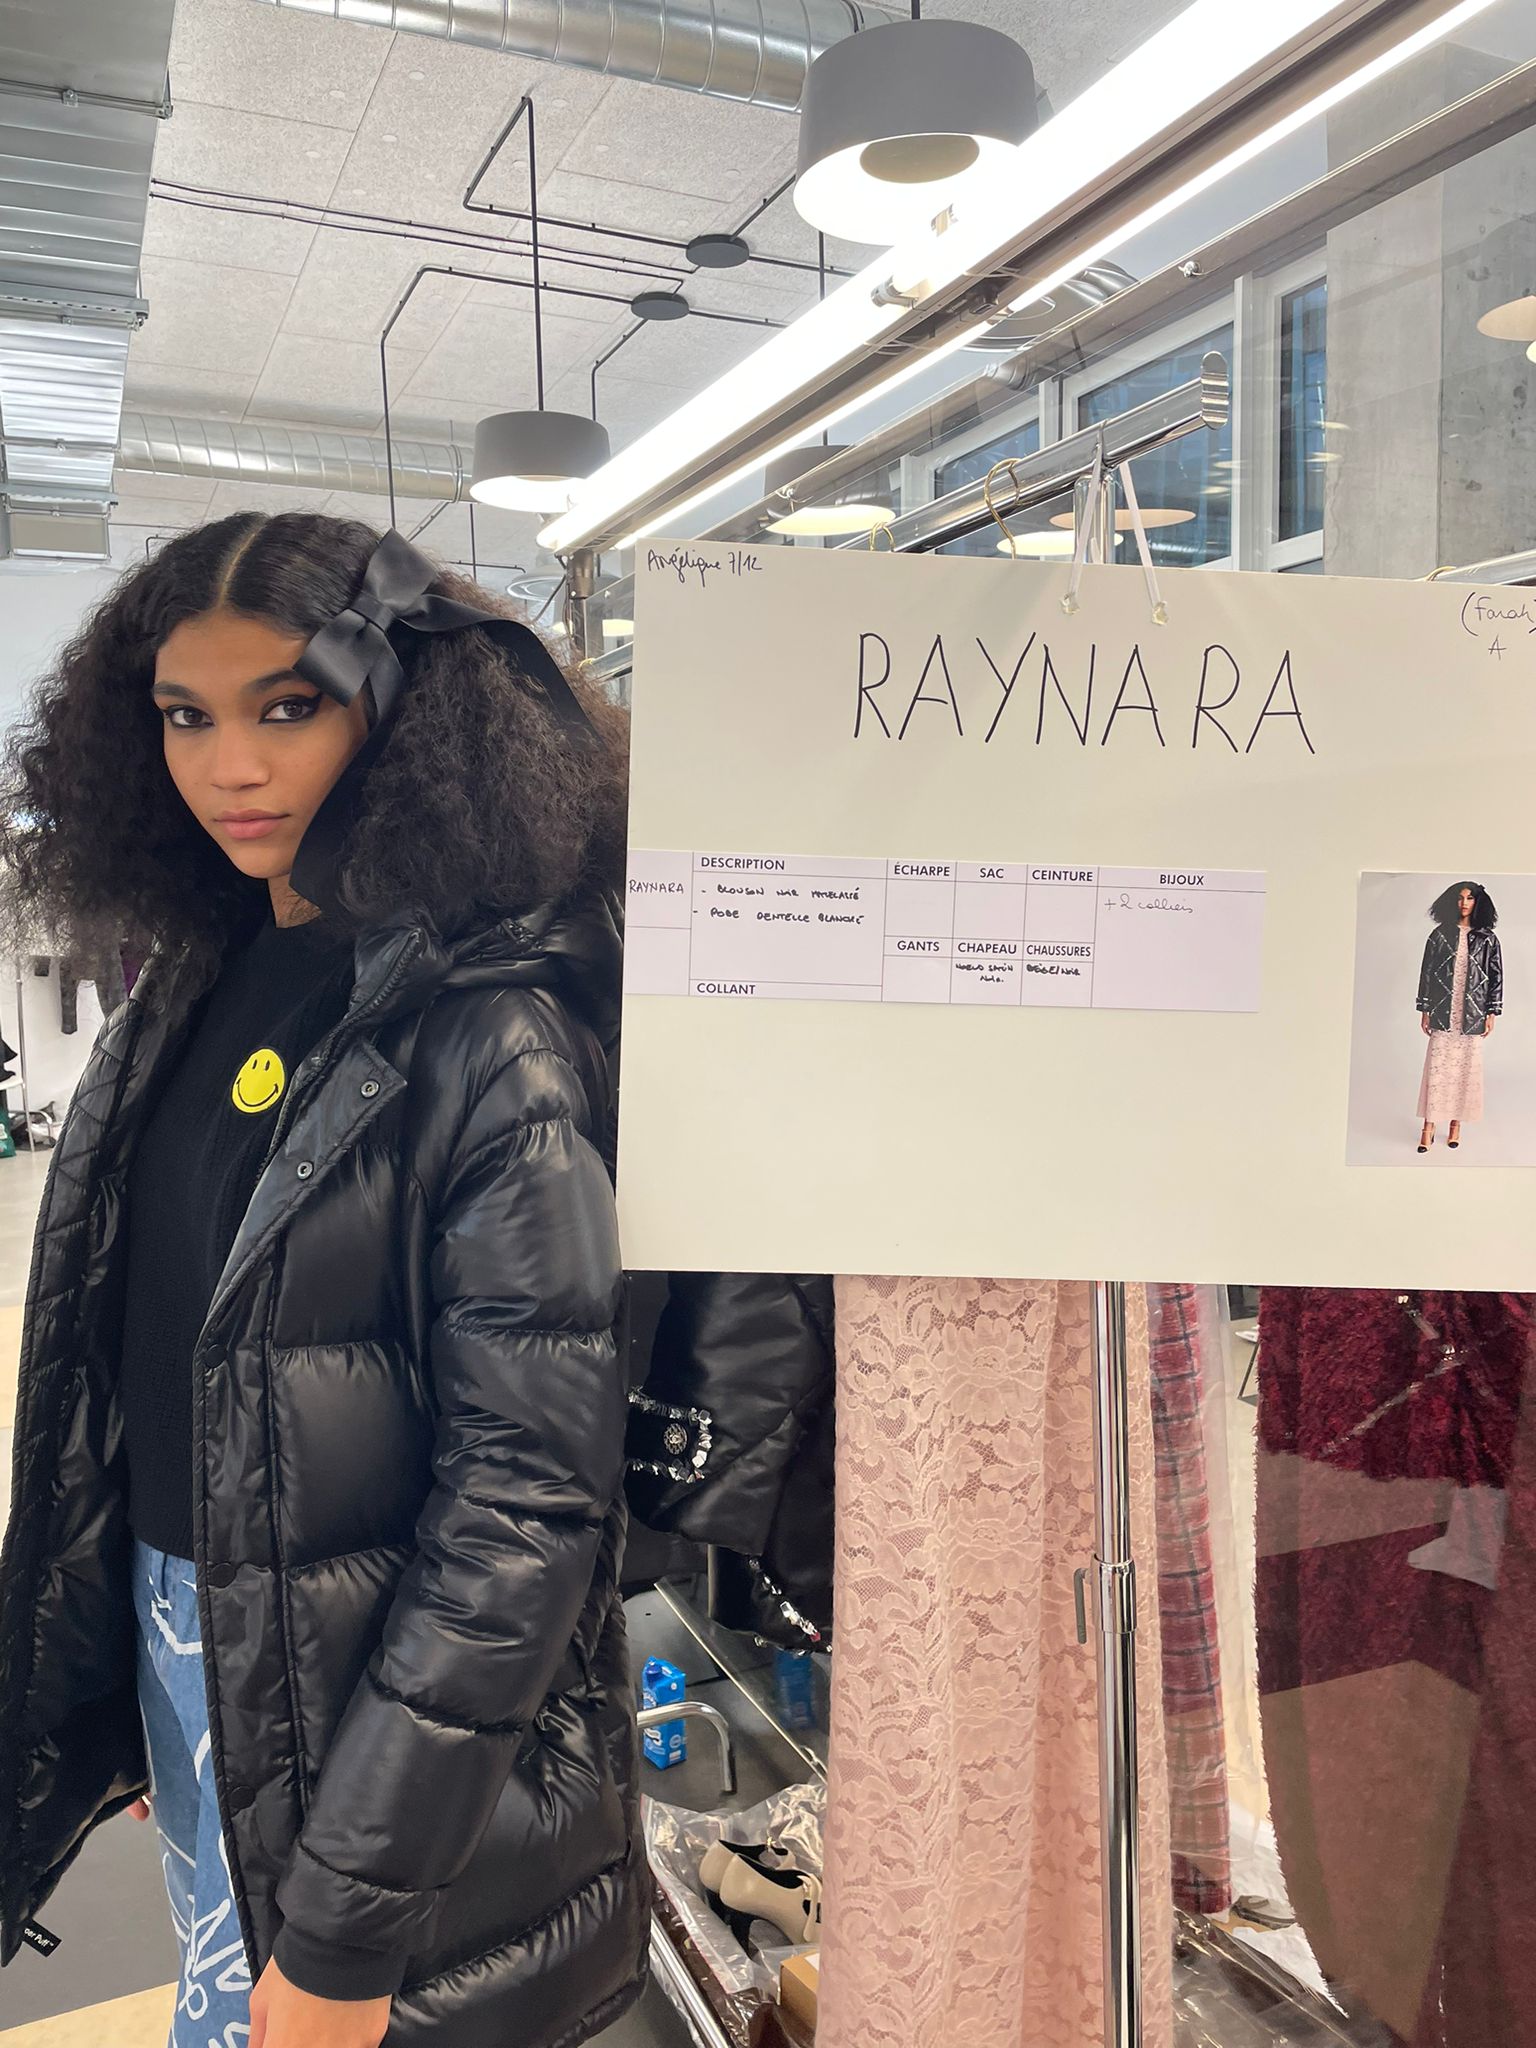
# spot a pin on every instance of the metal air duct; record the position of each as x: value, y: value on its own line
x: 156, y: 444
x: 82, y: 94
x: 754, y: 51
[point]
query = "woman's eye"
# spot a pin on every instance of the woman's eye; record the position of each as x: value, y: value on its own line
x: 290, y: 710
x: 184, y: 718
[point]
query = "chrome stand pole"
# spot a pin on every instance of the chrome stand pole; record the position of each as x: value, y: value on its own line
x: 21, y: 1049
x: 1114, y: 1572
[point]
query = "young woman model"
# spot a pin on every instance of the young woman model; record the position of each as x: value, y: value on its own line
x: 315, y: 1526
x: 1461, y: 991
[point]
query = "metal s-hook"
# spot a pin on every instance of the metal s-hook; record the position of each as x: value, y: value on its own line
x: 874, y: 534
x: 1007, y: 463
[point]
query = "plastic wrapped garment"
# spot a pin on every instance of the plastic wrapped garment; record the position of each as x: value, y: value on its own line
x: 735, y: 1983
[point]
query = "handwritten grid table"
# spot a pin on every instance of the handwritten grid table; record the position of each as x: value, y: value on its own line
x: 1008, y: 934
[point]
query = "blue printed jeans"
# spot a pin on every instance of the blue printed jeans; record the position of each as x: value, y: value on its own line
x: 213, y: 1998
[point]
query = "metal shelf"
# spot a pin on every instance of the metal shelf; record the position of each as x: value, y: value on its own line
x: 750, y: 1672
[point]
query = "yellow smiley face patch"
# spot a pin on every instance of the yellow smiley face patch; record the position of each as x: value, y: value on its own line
x: 260, y: 1083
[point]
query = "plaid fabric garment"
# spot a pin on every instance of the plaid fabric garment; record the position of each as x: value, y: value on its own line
x: 1186, y: 1588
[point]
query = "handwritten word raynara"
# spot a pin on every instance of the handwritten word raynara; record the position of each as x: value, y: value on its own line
x: 1038, y: 694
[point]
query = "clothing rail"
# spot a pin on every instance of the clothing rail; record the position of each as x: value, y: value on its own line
x: 1520, y: 568
x: 1204, y: 402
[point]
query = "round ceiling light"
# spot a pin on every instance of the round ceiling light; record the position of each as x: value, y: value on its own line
x: 1515, y: 320
x: 1151, y: 516
x: 659, y: 306
x: 824, y: 515
x: 1040, y: 546
x: 894, y: 118
x: 717, y: 252
x: 528, y: 461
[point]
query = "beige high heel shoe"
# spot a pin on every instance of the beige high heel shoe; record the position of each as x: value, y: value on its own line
x: 741, y: 1889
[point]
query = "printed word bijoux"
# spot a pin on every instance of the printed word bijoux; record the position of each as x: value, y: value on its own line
x: 1064, y: 696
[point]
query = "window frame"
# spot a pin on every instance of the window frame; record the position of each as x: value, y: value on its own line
x: 1220, y: 311
x: 1253, y: 307
x: 1259, y: 378
x: 920, y: 471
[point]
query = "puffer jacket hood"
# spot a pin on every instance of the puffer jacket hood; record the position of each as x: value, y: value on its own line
x: 408, y: 1457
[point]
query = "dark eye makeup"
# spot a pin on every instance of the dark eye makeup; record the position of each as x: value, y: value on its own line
x: 293, y: 710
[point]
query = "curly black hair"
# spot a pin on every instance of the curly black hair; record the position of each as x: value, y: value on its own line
x: 479, y: 805
x: 1446, y: 908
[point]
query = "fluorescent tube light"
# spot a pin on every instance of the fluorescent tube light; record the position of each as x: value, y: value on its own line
x: 1169, y: 78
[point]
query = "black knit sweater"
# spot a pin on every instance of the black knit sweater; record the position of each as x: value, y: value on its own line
x: 189, y: 1184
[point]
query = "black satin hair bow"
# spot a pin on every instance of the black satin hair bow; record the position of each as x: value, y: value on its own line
x: 353, y: 656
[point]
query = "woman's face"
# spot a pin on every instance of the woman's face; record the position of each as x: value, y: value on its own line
x: 253, y: 750
x: 1466, y: 903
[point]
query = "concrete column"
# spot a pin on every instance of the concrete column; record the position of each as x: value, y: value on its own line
x: 1438, y: 425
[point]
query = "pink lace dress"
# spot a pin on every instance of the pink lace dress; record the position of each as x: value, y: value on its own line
x: 1452, y: 1087
x: 962, y: 1899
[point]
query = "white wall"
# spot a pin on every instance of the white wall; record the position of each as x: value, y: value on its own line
x: 54, y: 1062
x: 39, y: 609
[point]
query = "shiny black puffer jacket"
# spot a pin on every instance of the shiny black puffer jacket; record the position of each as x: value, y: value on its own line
x: 410, y: 1424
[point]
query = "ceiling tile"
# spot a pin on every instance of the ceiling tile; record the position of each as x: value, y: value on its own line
x: 164, y: 387
x: 433, y: 419
x: 266, y: 60
x: 485, y: 358
x: 683, y: 142
x: 507, y: 539
x: 565, y: 281
x: 206, y: 317
x: 239, y: 241
x: 253, y: 497
x: 158, y: 513
x: 352, y: 283
x: 688, y: 352
x: 310, y: 381
x: 253, y: 154
x: 436, y: 110
x: 571, y: 195
x: 184, y: 490
x: 605, y: 263
x: 753, y: 289
x: 374, y: 512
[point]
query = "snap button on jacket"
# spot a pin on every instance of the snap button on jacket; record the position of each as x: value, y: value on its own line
x: 409, y: 1455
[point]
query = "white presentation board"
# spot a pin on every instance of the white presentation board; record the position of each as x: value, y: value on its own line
x: 970, y: 937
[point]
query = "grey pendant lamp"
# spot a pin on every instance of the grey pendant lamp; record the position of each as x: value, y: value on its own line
x: 530, y: 461
x: 895, y: 118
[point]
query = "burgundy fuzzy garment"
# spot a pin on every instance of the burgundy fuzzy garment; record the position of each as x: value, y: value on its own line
x: 1399, y: 1704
